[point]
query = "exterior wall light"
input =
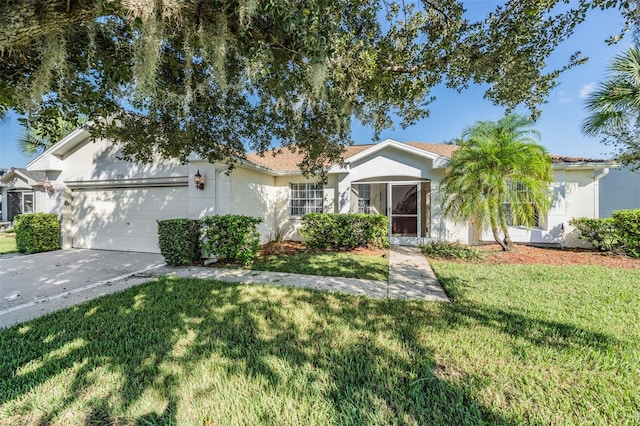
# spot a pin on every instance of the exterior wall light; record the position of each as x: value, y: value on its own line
x: 48, y: 187
x: 198, y: 180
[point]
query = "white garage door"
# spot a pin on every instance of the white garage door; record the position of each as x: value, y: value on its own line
x: 125, y: 219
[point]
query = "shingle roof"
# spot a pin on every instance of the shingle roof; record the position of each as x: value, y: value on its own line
x: 564, y: 159
x: 36, y: 176
x: 286, y: 160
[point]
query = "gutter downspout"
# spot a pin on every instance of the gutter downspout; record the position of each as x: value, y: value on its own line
x: 597, y: 175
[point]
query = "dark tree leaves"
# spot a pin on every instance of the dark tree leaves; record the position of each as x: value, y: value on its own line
x: 220, y: 78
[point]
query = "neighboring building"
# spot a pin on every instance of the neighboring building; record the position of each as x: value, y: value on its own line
x: 619, y: 190
x: 19, y: 190
x: 107, y: 203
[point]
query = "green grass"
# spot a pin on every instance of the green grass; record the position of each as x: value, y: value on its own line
x: 7, y: 243
x: 333, y: 264
x: 520, y: 345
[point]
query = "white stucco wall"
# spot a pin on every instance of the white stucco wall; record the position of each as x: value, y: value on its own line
x: 393, y: 164
x: 201, y: 203
x: 289, y: 226
x: 619, y: 190
x: 252, y: 194
x: 575, y: 194
x: 98, y: 160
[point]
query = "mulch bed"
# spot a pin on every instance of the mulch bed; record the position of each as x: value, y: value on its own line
x: 493, y: 254
x: 525, y: 255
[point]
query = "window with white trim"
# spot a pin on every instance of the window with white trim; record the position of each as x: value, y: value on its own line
x: 364, y: 198
x: 305, y: 198
x: 518, y: 187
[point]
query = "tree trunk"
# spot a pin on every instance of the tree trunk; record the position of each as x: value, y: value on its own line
x: 496, y: 236
x: 507, y: 240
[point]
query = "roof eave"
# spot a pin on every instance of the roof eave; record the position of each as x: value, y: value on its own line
x: 585, y: 165
x: 75, y: 137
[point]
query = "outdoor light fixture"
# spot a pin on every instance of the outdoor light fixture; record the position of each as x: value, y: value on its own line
x: 198, y: 180
x: 48, y: 187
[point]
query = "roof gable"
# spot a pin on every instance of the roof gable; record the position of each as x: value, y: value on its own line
x: 286, y: 160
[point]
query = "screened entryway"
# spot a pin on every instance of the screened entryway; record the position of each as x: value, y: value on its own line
x: 19, y: 202
x: 407, y: 205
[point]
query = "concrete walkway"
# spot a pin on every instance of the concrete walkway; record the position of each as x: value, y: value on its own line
x: 410, y: 277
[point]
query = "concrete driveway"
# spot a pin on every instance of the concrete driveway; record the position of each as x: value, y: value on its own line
x: 43, y: 282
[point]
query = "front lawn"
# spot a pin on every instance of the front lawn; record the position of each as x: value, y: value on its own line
x: 8, y: 243
x: 371, y: 266
x: 520, y: 345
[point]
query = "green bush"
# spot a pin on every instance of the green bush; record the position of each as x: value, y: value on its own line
x: 450, y: 250
x: 179, y: 241
x: 232, y: 238
x: 324, y: 230
x: 627, y: 223
x: 37, y: 232
x: 601, y: 233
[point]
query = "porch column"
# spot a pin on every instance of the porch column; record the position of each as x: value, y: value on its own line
x: 344, y: 193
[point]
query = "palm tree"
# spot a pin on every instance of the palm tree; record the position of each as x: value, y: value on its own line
x: 35, y: 140
x: 499, y: 176
x: 614, y: 107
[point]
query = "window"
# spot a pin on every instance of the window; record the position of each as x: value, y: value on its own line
x: 305, y: 198
x: 27, y: 200
x: 522, y: 195
x: 364, y: 199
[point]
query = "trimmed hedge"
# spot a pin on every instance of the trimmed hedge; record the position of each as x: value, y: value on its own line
x: 232, y: 238
x: 627, y: 223
x: 37, y: 232
x: 179, y: 241
x: 344, y: 230
x: 601, y: 233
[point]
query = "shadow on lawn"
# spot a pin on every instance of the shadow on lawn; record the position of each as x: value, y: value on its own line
x: 362, y: 360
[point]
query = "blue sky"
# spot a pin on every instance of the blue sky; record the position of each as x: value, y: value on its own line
x: 451, y: 112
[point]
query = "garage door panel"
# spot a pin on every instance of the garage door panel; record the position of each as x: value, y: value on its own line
x: 125, y: 219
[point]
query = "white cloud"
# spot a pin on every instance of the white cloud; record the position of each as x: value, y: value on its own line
x: 586, y: 89
x: 564, y: 97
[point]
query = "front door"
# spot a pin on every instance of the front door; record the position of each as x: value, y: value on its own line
x: 404, y: 214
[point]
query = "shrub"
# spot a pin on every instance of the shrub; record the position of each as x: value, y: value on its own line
x: 627, y: 224
x: 179, y: 241
x: 450, y: 250
x: 323, y: 230
x: 601, y: 233
x: 232, y: 238
x: 37, y: 232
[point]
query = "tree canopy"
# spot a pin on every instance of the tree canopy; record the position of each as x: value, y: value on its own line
x: 614, y: 108
x: 37, y: 137
x: 222, y: 77
x: 499, y: 177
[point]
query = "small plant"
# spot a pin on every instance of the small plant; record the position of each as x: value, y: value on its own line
x: 37, y: 232
x: 274, y: 245
x: 601, y: 233
x: 232, y: 238
x: 179, y: 241
x: 450, y: 250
